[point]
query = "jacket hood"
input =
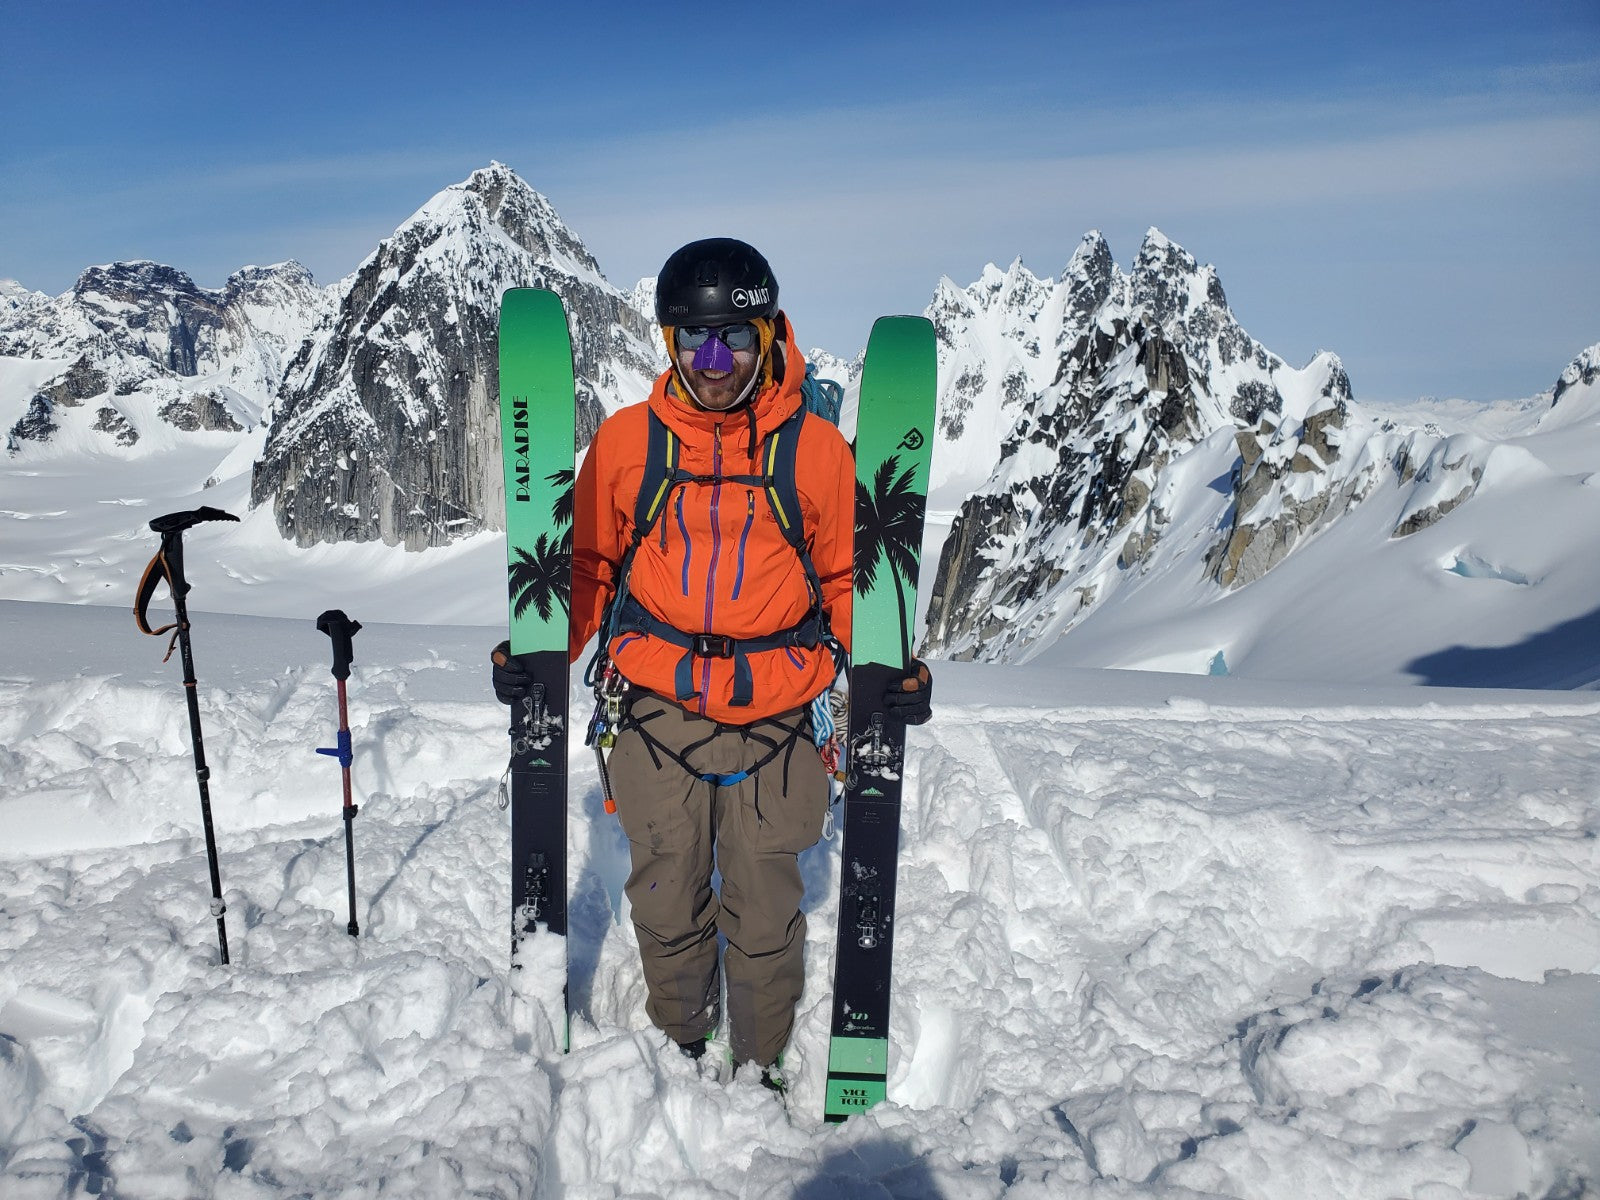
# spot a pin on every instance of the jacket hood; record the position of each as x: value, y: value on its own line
x: 768, y: 409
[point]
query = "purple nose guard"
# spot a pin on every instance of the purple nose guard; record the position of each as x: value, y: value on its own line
x: 713, y: 355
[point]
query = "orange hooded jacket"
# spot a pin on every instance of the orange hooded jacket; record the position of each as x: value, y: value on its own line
x: 715, y: 561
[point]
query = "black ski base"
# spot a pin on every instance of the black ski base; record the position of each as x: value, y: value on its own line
x: 858, y: 1054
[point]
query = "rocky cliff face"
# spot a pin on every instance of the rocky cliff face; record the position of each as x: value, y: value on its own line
x: 1136, y: 370
x: 136, y: 338
x: 1000, y: 344
x: 387, y: 427
x: 1157, y: 406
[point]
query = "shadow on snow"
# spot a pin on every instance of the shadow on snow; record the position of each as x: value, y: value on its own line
x: 1565, y: 657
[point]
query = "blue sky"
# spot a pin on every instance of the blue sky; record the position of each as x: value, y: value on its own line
x: 1413, y: 186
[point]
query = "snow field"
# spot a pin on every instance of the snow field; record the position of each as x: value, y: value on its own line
x: 1251, y: 946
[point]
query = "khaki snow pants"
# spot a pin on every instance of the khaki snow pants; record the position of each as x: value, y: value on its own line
x: 680, y: 828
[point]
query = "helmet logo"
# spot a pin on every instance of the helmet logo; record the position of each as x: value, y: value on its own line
x: 751, y: 297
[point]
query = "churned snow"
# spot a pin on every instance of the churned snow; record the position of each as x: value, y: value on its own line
x: 1158, y: 936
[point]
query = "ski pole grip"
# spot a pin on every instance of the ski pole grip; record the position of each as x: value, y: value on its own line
x: 341, y: 629
x: 179, y: 521
x: 170, y: 559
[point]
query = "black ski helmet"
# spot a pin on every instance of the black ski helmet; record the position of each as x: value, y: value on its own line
x: 715, y: 281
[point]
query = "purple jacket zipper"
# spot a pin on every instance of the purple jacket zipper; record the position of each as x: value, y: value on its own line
x: 716, y: 553
x: 744, y: 537
x: 683, y: 530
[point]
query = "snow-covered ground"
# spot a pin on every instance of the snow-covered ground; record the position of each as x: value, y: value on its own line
x: 1159, y: 935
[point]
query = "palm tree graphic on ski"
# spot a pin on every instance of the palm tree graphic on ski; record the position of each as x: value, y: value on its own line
x: 888, y: 534
x: 541, y: 579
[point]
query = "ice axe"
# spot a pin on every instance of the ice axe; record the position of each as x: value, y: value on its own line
x: 168, y: 565
x: 342, y: 629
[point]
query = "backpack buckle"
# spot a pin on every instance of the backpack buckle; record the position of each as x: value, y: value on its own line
x: 712, y: 645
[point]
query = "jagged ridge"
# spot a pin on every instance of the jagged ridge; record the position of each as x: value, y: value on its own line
x: 208, y: 359
x: 1148, y: 367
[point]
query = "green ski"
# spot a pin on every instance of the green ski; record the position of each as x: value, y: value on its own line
x: 894, y: 445
x: 537, y: 444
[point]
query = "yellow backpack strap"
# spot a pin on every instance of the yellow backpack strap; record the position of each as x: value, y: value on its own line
x: 660, y: 461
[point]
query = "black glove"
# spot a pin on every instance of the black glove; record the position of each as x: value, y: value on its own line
x: 510, y: 676
x: 911, y: 699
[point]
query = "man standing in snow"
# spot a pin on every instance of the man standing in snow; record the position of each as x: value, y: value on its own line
x: 724, y: 630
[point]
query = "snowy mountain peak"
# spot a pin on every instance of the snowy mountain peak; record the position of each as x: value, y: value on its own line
x: 1159, y: 255
x: 1160, y: 442
x: 643, y: 296
x: 1168, y: 284
x: 1091, y: 278
x: 948, y: 292
x: 134, y: 276
x: 1576, y: 395
x: 1581, y: 371
x: 15, y: 297
x: 388, y: 424
x: 1091, y: 260
x: 524, y: 215
x: 252, y: 279
x: 1157, y: 242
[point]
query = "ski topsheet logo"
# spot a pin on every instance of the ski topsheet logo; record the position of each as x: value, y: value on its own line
x: 751, y: 297
x: 519, y: 448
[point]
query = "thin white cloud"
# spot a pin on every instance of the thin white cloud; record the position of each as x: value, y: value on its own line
x: 880, y: 231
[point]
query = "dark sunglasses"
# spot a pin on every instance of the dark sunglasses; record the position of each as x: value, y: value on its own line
x: 743, y: 336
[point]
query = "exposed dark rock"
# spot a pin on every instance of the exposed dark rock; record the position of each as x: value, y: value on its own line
x: 958, y: 399
x: 1252, y: 398
x: 36, y: 425
x: 388, y: 424
x: 1431, y: 515
x: 81, y: 381
x: 200, y: 410
x: 161, y: 306
x: 109, y: 420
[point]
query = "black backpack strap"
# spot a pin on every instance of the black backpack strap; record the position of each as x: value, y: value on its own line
x: 633, y: 617
x: 655, y: 485
x: 778, y: 459
x: 777, y: 473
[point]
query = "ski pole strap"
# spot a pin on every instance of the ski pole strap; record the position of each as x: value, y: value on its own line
x: 168, y: 562
x: 341, y: 629
x: 342, y: 751
x: 158, y: 569
x: 635, y: 618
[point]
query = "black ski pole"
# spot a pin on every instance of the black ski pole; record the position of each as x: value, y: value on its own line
x: 341, y: 629
x: 168, y: 565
